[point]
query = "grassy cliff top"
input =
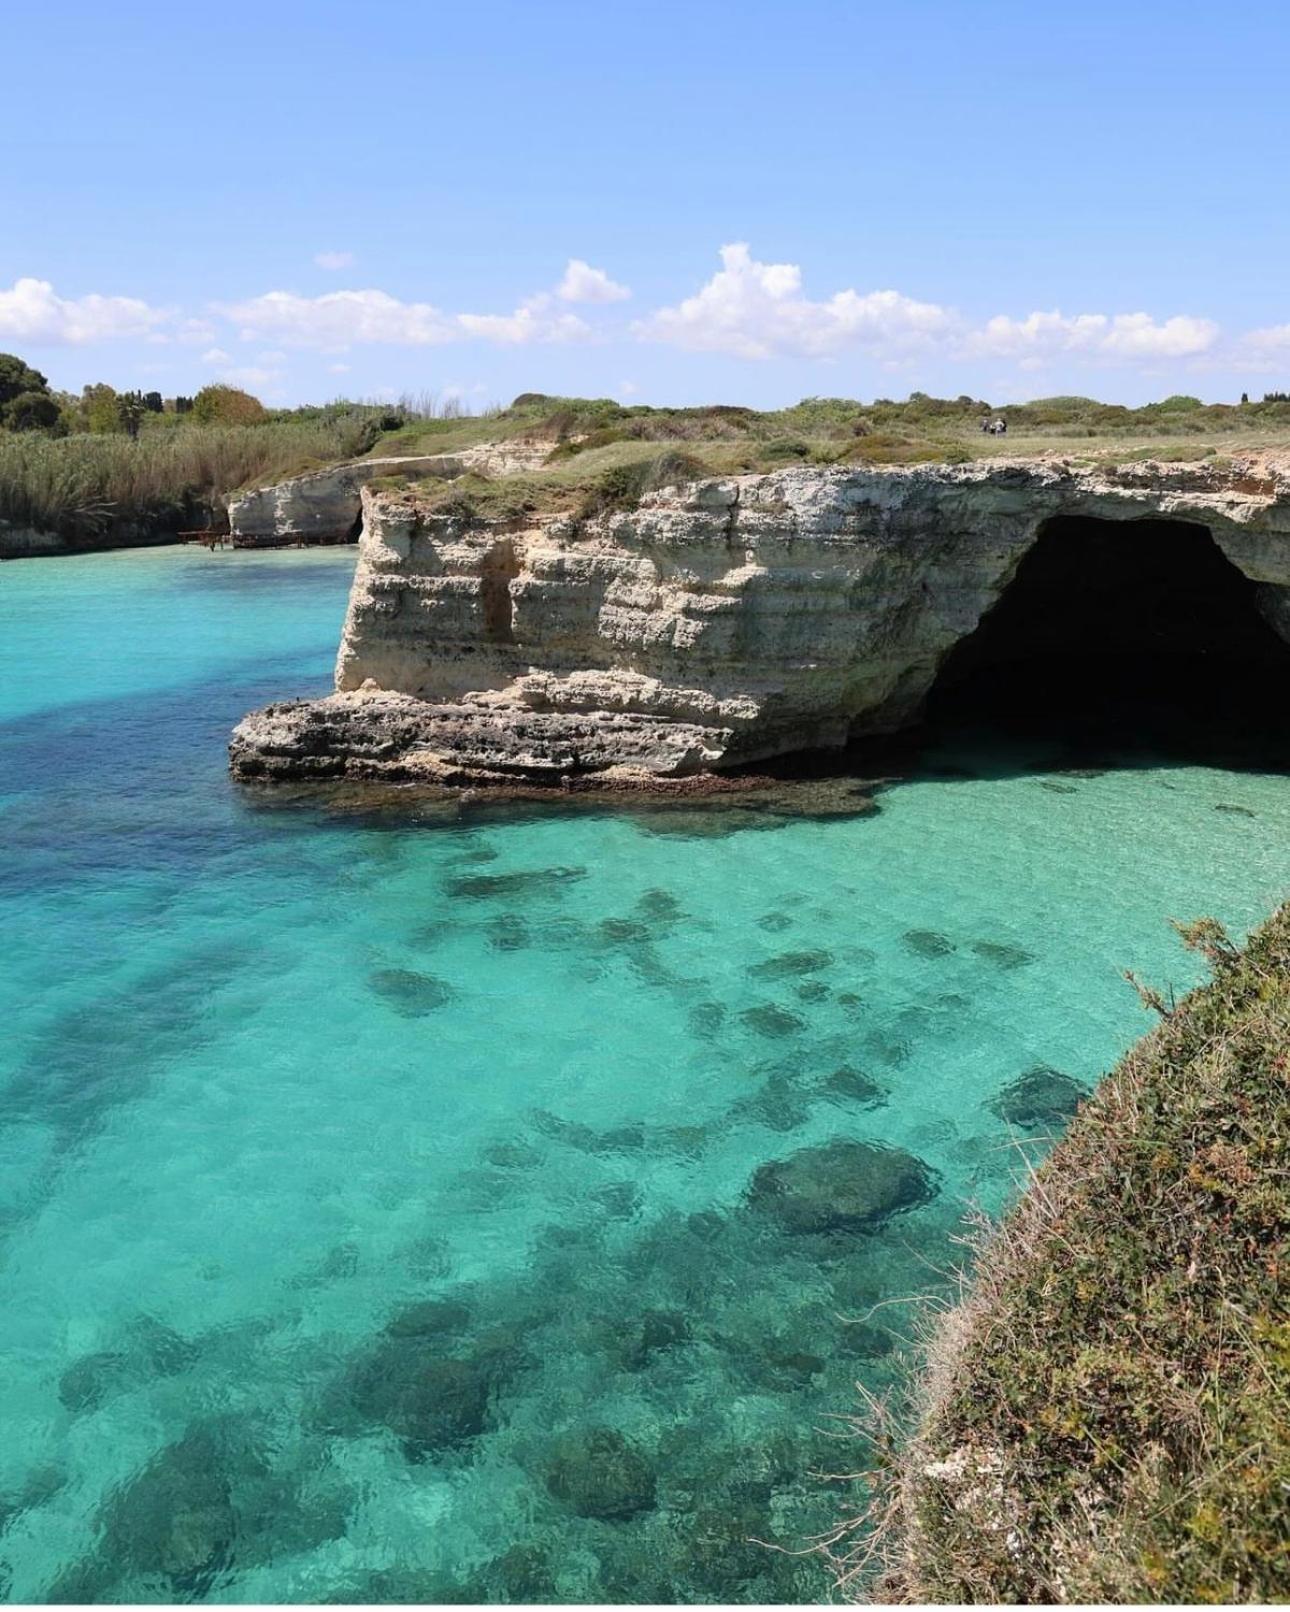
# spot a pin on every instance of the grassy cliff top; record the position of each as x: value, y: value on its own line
x: 1107, y: 1415
x: 586, y: 454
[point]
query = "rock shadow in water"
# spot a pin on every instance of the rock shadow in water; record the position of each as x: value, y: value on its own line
x: 408, y: 992
x: 1039, y: 1097
x: 1001, y: 955
x: 529, y: 885
x: 927, y: 943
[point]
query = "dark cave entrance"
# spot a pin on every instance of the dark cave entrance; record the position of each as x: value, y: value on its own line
x: 1123, y: 630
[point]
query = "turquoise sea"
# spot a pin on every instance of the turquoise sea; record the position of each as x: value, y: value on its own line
x: 380, y: 1215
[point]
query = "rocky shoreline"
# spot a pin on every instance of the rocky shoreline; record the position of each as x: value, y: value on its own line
x: 715, y: 626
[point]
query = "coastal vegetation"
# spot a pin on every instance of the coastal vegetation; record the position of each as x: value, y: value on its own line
x: 603, y: 454
x: 111, y: 466
x: 107, y: 466
x: 1106, y: 1414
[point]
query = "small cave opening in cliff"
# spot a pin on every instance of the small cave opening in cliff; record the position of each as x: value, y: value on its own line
x: 1121, y: 634
x: 499, y: 569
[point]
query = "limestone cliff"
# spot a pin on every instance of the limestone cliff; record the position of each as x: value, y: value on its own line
x: 323, y: 506
x: 718, y: 623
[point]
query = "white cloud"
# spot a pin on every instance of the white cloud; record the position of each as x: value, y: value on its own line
x: 340, y: 319
x: 338, y: 369
x: 255, y: 377
x: 531, y: 322
x: 756, y: 310
x: 1264, y: 350
x: 193, y: 332
x: 582, y: 283
x: 216, y: 355
x: 31, y: 311
x: 333, y: 260
x: 1097, y: 335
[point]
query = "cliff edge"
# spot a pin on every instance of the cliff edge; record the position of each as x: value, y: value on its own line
x: 714, y: 624
x: 1106, y: 1416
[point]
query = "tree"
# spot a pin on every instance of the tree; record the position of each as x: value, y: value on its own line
x: 98, y: 409
x: 152, y: 402
x: 17, y: 378
x: 30, y: 411
x: 131, y: 408
x: 227, y: 405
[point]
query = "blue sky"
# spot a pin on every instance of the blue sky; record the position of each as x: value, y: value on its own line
x: 665, y: 202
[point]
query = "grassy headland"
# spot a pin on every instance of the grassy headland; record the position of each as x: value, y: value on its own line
x: 599, y: 453
x: 1106, y: 1417
x: 107, y: 464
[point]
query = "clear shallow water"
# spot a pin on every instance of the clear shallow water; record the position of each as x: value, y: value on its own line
x: 353, y: 1170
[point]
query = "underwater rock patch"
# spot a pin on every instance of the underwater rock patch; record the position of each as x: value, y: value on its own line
x: 812, y: 991
x: 1234, y: 810
x: 777, y: 1105
x: 706, y: 1018
x: 149, y: 1349
x: 174, y: 1519
x: 1040, y: 1096
x: 430, y: 1403
x: 597, y: 1473
x: 659, y: 906
x: 509, y: 933
x: 511, y: 1156
x: 429, y: 1318
x: 620, y: 1200
x: 775, y: 922
x: 789, y: 964
x: 1002, y: 955
x: 861, y: 1341
x: 927, y: 943
x: 840, y: 1186
x: 619, y: 931
x: 848, y: 1085
x: 408, y: 992
x: 770, y: 1019
x: 495, y: 886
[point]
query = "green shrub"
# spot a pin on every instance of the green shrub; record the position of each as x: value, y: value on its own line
x: 1108, y: 1417
x: 227, y: 405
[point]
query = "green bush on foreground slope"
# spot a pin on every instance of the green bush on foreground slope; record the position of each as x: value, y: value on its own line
x: 1107, y: 1415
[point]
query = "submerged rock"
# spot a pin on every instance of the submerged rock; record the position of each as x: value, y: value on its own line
x: 789, y: 964
x: 659, y: 906
x: 620, y: 931
x: 430, y: 1318
x: 1041, y: 1096
x: 430, y: 1402
x: 927, y: 943
x: 597, y: 1473
x: 769, y: 1019
x: 408, y: 992
x: 706, y: 1018
x: 175, y: 1519
x: 148, y: 1349
x: 847, y: 1085
x: 1001, y: 955
x: 840, y: 1186
x: 495, y: 886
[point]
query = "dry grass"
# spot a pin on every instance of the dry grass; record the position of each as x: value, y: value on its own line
x: 1106, y: 1414
x: 89, y: 487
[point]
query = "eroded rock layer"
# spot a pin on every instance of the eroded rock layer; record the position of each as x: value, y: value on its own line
x: 719, y: 623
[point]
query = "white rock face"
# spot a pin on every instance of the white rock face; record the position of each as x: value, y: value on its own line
x: 323, y: 506
x: 720, y: 623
